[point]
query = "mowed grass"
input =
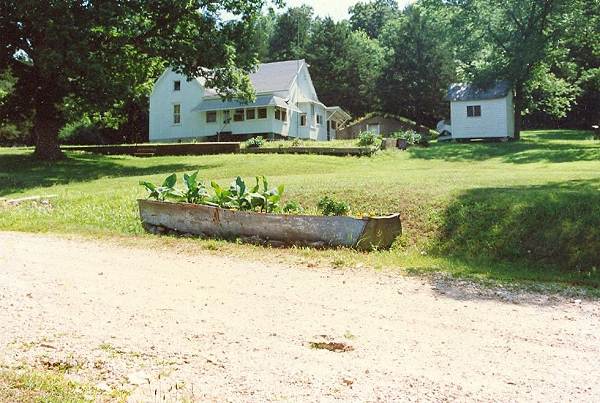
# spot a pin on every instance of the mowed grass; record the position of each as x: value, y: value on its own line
x: 462, y: 205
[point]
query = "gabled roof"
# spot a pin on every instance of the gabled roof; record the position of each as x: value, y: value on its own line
x: 469, y: 92
x: 272, y: 77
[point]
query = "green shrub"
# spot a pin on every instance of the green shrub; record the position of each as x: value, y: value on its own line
x: 14, y: 135
x: 255, y: 142
x: 292, y: 207
x: 369, y: 139
x: 410, y: 136
x: 82, y: 132
x: 329, y: 206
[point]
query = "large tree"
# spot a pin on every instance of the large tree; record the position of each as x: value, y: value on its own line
x: 91, y: 50
x: 291, y: 34
x: 418, y: 67
x: 371, y: 16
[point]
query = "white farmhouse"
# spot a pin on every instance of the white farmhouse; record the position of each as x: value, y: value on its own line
x: 286, y: 105
x: 477, y: 113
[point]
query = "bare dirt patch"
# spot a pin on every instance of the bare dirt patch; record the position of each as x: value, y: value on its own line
x: 209, y: 327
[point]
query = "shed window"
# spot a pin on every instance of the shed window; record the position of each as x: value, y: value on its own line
x: 374, y: 128
x: 262, y: 113
x: 176, y: 85
x: 176, y: 114
x: 473, y: 111
x: 211, y: 116
x: 303, y: 119
x: 250, y: 114
x: 238, y: 116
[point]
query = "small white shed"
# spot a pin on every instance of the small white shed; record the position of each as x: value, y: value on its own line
x: 477, y: 113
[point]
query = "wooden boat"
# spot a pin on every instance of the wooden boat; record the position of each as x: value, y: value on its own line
x: 362, y: 233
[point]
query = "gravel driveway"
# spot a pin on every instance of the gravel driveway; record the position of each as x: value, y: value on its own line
x: 216, y: 328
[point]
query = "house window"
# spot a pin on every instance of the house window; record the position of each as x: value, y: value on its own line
x: 303, y: 119
x: 176, y: 114
x: 284, y: 115
x: 474, y: 111
x: 374, y: 128
x: 277, y: 113
x: 177, y: 85
x: 319, y: 119
x: 250, y: 114
x: 211, y: 116
x: 262, y: 113
x: 226, y: 117
x: 238, y: 115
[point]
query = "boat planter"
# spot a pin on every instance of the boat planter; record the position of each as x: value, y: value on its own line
x: 362, y: 233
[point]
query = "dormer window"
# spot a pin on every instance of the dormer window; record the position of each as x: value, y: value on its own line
x: 176, y: 85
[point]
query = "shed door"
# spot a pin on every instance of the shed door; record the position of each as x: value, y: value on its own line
x: 374, y: 128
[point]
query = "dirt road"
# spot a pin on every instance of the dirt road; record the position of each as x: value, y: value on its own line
x: 219, y: 328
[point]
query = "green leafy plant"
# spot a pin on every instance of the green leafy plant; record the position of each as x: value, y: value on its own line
x: 296, y: 142
x: 292, y: 207
x: 255, y: 142
x: 329, y: 206
x: 238, y: 196
x: 165, y: 191
x: 194, y: 191
x: 410, y: 136
x: 369, y: 139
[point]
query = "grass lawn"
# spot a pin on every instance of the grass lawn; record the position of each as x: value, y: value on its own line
x: 525, y: 212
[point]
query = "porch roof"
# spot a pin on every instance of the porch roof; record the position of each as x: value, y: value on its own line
x: 217, y: 104
x: 337, y: 113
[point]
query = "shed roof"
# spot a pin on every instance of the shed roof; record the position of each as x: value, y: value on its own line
x: 272, y: 77
x: 470, y: 92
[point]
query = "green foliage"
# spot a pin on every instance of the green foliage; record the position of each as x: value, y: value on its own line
x: 292, y: 207
x: 82, y: 132
x: 368, y: 139
x: 371, y: 16
x: 238, y: 196
x: 255, y: 142
x: 328, y: 206
x: 418, y: 67
x: 165, y: 191
x: 410, y: 136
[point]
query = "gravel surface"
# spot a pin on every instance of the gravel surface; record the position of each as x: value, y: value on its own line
x: 218, y: 328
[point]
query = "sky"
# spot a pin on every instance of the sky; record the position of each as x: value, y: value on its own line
x: 336, y: 9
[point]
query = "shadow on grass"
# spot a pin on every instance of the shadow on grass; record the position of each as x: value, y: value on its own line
x: 549, y: 232
x: 544, y: 146
x: 20, y: 172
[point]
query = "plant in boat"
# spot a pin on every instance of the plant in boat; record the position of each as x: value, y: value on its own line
x: 329, y: 206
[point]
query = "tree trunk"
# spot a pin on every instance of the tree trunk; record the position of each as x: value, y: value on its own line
x: 518, y: 110
x: 45, y: 127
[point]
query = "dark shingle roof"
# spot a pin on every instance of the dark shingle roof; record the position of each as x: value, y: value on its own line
x: 469, y: 92
x: 272, y: 77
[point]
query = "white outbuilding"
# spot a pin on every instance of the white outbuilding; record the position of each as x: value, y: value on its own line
x: 480, y: 113
x: 286, y: 105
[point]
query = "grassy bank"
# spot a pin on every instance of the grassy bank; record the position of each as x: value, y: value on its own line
x: 523, y: 211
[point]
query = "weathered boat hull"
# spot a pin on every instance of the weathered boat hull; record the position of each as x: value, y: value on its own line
x: 361, y: 233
